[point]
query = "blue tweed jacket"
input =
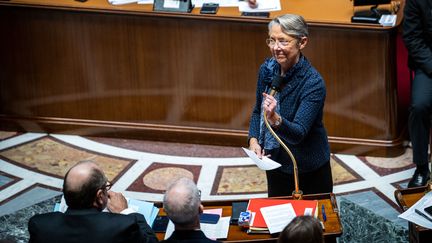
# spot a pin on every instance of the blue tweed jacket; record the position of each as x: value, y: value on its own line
x: 301, y: 107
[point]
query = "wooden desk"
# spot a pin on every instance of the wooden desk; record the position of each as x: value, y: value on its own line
x: 333, y: 227
x: 125, y: 71
x: 405, y: 199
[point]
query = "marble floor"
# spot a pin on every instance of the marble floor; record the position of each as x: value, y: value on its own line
x: 32, y: 166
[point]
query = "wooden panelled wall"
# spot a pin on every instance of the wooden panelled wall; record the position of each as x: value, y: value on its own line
x: 182, y: 79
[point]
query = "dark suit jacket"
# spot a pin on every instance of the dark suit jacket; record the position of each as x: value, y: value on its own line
x: 417, y: 34
x: 190, y: 236
x: 89, y: 225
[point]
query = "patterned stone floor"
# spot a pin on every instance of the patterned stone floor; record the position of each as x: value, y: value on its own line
x: 32, y: 166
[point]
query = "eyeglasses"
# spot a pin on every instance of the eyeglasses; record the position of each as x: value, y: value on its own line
x: 280, y: 43
x: 107, y: 186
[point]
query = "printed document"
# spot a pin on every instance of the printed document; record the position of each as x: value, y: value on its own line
x: 265, y: 163
x: 263, y: 6
x: 277, y: 217
x: 212, y: 231
x: 120, y: 2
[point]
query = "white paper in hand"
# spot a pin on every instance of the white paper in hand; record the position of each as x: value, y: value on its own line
x: 265, y: 163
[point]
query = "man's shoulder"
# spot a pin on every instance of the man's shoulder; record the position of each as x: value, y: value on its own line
x: 101, y: 215
x: 85, y: 220
x: 134, y: 216
x: 45, y: 220
x: 47, y: 216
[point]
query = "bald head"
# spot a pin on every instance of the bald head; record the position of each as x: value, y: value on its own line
x: 182, y: 202
x: 79, y: 174
x: 81, y: 184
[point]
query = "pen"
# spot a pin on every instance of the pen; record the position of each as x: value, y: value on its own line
x: 422, y: 214
x: 324, y: 216
x: 334, y: 204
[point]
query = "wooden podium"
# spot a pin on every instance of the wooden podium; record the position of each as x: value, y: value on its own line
x: 405, y: 199
x: 333, y: 227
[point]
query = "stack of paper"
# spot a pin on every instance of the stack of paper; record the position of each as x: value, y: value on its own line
x: 212, y: 231
x: 272, y: 215
x: 145, y: 1
x: 119, y: 2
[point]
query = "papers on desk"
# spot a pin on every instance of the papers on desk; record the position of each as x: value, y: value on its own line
x: 120, y: 2
x: 222, y: 3
x: 271, y: 215
x: 388, y: 20
x: 278, y: 216
x: 212, y: 231
x: 421, y: 217
x: 196, y: 3
x: 145, y: 1
x: 264, y: 164
x: 263, y: 6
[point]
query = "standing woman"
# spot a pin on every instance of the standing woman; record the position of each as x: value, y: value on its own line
x: 295, y: 113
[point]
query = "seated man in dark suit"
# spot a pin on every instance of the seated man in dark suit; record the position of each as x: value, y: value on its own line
x: 182, y: 204
x: 86, y: 192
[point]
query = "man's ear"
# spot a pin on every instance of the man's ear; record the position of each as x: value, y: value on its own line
x: 99, y: 199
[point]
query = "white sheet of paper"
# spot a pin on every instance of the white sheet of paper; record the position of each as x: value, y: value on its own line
x: 278, y: 216
x: 217, y: 231
x: 308, y: 212
x: 217, y: 211
x: 145, y: 1
x: 169, y: 230
x: 120, y: 2
x: 264, y: 163
x: 263, y: 6
x: 412, y: 216
x: 171, y: 4
x: 212, y: 231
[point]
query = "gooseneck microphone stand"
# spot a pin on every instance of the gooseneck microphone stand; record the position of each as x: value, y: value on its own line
x: 275, y: 87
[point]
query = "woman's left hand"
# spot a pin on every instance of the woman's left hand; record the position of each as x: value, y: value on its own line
x: 269, y: 105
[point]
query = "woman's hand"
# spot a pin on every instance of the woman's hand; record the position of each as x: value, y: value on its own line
x: 255, y: 147
x: 269, y: 105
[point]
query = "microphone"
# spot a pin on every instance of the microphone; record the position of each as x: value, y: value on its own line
x: 276, y: 85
